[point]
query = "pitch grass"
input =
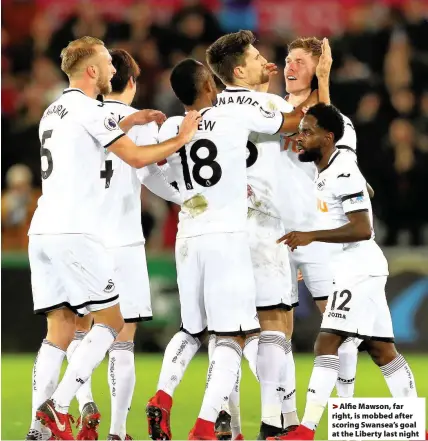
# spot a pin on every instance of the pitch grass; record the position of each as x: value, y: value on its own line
x: 16, y: 393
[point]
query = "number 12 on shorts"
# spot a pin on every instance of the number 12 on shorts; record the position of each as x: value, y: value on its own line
x: 346, y: 295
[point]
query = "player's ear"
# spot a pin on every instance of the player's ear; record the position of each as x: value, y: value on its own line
x: 239, y: 72
x: 92, y: 70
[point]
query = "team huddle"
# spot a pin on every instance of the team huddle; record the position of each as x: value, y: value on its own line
x: 268, y: 187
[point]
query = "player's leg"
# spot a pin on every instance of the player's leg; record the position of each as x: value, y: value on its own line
x: 88, y: 273
x: 396, y: 371
x: 314, y: 275
x: 132, y: 280
x: 121, y: 379
x: 347, y: 313
x: 272, y: 275
x: 231, y: 313
x: 48, y: 296
x: 290, y: 420
x: 185, y: 343
x: 90, y: 416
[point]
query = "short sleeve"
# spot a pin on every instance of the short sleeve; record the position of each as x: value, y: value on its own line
x: 170, y: 128
x: 350, y: 187
x: 348, y: 142
x: 258, y: 119
x: 102, y: 126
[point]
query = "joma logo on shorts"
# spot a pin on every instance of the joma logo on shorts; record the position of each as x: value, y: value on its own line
x: 337, y: 315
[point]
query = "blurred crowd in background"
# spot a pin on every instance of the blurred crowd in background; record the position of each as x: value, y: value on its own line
x: 379, y: 79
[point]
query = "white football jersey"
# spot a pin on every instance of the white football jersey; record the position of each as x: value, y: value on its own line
x: 299, y: 179
x: 122, y: 225
x: 211, y: 170
x: 263, y: 151
x: 74, y: 132
x: 340, y: 190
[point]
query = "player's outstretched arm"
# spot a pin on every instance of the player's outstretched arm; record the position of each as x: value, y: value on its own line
x: 291, y: 121
x: 142, y: 117
x: 138, y: 157
x: 357, y: 229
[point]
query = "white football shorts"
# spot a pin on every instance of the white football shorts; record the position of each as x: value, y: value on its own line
x: 132, y: 278
x: 73, y: 271
x: 216, y: 284
x: 271, y: 265
x: 357, y: 307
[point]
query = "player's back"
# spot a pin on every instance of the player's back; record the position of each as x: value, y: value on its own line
x: 74, y: 131
x: 123, y: 221
x: 263, y: 151
x: 211, y: 170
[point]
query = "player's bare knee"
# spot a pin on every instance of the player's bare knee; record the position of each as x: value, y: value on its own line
x: 111, y: 317
x: 273, y: 320
x: 128, y: 332
x: 61, y: 327
x: 84, y: 323
x: 289, y: 325
x: 327, y: 344
x: 322, y: 304
x: 381, y: 352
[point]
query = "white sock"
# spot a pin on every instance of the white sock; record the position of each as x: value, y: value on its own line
x: 250, y: 352
x: 348, y: 356
x: 271, y: 372
x: 87, y: 356
x: 221, y: 377
x: 234, y: 407
x: 399, y: 378
x: 178, y: 354
x: 84, y: 394
x: 46, y: 370
x: 211, y: 346
x: 289, y: 407
x: 321, y: 385
x: 121, y: 379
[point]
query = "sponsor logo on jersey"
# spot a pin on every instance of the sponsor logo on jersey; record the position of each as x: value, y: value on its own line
x: 322, y: 206
x: 266, y: 113
x: 344, y: 175
x: 111, y: 124
x: 357, y: 200
x: 321, y: 185
x: 110, y: 286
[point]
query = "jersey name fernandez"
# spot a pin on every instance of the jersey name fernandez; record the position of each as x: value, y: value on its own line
x: 263, y: 152
x: 74, y: 132
x: 211, y: 170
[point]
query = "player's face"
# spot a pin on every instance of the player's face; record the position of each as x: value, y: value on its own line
x: 299, y: 70
x: 254, y: 69
x: 106, y: 71
x: 309, y: 140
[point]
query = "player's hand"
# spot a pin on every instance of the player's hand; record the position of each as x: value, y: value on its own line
x: 297, y: 239
x: 270, y: 69
x: 146, y: 116
x: 325, y: 61
x: 189, y: 126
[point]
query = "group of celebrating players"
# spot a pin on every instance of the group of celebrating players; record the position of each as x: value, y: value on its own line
x: 257, y: 177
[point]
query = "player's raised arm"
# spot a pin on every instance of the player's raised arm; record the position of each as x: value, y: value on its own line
x: 138, y: 157
x: 323, y: 72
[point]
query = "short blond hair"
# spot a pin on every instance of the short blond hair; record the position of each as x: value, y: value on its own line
x: 312, y: 45
x: 76, y: 51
